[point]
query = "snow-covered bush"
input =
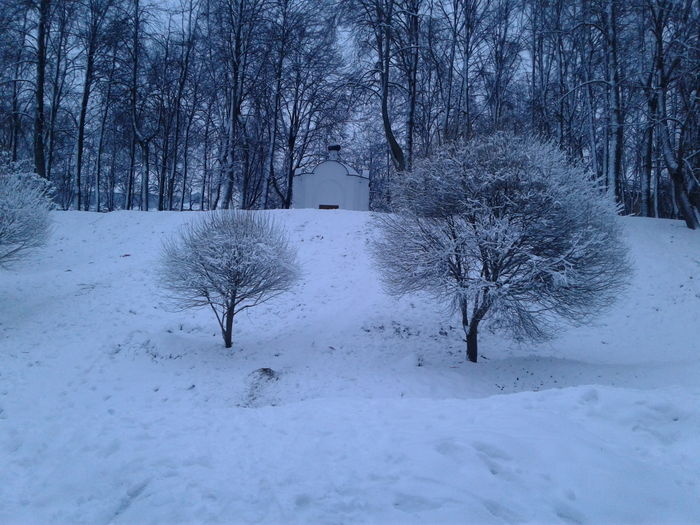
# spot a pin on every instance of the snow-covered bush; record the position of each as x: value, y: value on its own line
x: 229, y: 261
x: 24, y: 214
x: 503, y: 228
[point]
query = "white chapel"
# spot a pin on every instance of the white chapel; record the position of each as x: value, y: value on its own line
x: 332, y: 185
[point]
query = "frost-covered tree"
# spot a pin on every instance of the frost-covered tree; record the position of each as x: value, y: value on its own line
x: 229, y: 261
x: 24, y: 214
x: 503, y: 228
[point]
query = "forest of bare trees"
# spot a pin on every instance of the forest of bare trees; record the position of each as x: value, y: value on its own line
x: 199, y: 104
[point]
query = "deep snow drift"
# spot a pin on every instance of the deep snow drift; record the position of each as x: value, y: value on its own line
x: 116, y: 409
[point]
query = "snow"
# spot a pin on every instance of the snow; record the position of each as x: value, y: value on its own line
x: 114, y: 408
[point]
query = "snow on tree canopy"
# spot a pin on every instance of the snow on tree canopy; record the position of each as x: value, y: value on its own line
x: 504, y: 228
x: 229, y: 261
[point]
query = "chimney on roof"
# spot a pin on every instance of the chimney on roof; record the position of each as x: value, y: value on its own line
x: 333, y: 152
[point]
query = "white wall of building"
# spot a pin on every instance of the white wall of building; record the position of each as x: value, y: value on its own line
x: 331, y: 183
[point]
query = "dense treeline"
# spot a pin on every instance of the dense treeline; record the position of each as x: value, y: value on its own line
x: 197, y: 104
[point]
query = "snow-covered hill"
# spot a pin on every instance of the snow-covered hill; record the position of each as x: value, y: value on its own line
x: 116, y: 409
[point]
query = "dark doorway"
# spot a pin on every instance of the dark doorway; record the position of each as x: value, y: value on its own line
x: 327, y: 206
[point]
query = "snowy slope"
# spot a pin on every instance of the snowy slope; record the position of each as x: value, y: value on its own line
x: 116, y: 409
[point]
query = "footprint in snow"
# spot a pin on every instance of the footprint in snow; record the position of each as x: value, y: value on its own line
x: 451, y: 450
x: 414, y: 503
x: 500, y: 511
x: 132, y: 493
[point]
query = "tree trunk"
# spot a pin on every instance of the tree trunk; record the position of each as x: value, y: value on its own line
x: 16, y: 117
x: 472, y: 351
x: 290, y: 173
x: 129, y: 197
x: 412, y: 82
x: 112, y: 175
x: 87, y: 84
x: 60, y: 73
x: 384, y: 46
x: 39, y: 160
x: 144, y: 177
x: 647, y: 166
x: 675, y: 164
x: 100, y: 144
x: 470, y: 331
x: 163, y: 172
x: 270, y: 159
x: 229, y: 166
x: 447, y: 128
x: 205, y: 167
x: 615, y: 148
x: 228, y: 328
x: 185, y: 162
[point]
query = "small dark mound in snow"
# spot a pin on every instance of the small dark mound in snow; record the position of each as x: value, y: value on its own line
x: 264, y: 373
x: 258, y: 392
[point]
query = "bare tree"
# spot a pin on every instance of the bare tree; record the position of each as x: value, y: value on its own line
x: 229, y: 261
x: 43, y: 8
x: 501, y: 63
x: 91, y: 35
x: 376, y: 23
x: 504, y: 228
x: 676, y: 31
x: 311, y: 93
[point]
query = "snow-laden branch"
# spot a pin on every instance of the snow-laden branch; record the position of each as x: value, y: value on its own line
x: 24, y: 214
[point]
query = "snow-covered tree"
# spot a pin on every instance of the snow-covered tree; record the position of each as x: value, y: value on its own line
x: 503, y: 228
x: 24, y: 214
x: 229, y: 261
